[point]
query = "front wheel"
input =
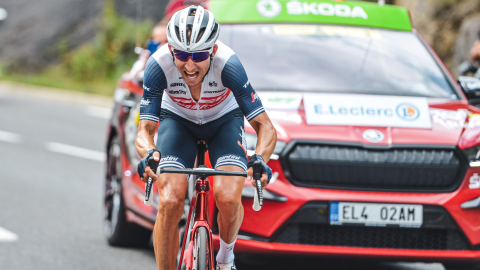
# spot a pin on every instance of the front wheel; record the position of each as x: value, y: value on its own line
x: 201, y: 250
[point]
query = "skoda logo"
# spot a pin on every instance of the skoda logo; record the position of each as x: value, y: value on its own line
x: 373, y: 135
x: 407, y: 112
x: 269, y: 8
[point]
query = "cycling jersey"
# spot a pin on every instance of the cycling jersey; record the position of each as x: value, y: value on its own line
x: 225, y: 87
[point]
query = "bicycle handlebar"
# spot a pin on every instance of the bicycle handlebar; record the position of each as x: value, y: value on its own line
x: 207, y: 172
x: 203, y: 172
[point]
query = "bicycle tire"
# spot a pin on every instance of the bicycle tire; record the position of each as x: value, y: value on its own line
x: 201, y: 250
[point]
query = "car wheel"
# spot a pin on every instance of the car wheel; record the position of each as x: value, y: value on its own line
x: 117, y: 229
x: 461, y: 266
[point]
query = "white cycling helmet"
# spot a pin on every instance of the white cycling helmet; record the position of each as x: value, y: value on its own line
x: 203, y: 25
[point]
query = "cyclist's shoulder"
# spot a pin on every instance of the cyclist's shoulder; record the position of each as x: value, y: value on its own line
x: 162, y: 58
x: 225, y: 57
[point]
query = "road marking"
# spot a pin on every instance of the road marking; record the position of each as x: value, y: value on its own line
x: 7, y: 236
x: 10, y: 137
x: 75, y: 151
x: 99, y: 112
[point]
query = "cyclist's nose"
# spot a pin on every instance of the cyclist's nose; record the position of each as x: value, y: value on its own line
x: 190, y: 65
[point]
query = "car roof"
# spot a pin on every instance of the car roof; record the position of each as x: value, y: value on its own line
x: 353, y: 13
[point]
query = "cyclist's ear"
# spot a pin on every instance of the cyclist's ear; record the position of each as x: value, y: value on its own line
x: 215, y: 48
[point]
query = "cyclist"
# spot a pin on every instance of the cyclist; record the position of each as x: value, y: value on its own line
x: 207, y: 95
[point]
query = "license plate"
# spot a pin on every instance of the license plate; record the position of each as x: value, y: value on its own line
x: 376, y: 214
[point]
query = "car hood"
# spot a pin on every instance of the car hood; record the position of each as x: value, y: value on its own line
x: 448, y: 121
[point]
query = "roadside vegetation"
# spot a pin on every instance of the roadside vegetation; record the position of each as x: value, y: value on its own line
x: 93, y: 67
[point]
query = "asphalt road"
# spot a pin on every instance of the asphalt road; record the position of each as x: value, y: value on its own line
x: 51, y: 201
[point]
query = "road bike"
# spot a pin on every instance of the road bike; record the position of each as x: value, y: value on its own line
x: 197, y: 247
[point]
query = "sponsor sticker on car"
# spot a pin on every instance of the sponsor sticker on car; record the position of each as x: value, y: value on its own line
x: 367, y: 110
x: 280, y: 101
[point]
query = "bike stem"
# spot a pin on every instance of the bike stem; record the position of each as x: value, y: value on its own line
x: 202, y: 187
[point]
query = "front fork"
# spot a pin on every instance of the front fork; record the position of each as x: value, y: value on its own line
x: 199, y: 204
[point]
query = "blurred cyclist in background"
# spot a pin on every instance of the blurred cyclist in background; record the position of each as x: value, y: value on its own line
x: 159, y: 37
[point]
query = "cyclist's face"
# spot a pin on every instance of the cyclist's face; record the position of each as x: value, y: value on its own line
x: 193, y: 72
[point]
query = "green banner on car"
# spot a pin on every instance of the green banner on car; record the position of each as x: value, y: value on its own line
x: 354, y: 13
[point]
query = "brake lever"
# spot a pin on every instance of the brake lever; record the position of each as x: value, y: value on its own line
x: 257, y: 175
x: 153, y: 164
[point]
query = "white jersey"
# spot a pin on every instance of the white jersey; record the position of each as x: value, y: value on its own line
x: 225, y: 87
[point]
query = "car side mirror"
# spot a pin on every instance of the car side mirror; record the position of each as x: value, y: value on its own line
x: 471, y: 88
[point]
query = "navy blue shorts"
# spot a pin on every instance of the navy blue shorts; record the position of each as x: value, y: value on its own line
x: 178, y: 137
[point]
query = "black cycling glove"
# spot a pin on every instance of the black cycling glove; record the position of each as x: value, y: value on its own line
x: 266, y: 170
x: 143, y: 163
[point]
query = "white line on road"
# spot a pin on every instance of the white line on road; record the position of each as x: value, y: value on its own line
x: 7, y: 236
x: 10, y: 137
x: 99, y: 112
x: 75, y: 151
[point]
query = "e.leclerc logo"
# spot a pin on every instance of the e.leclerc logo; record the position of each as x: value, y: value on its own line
x: 269, y: 8
x: 407, y: 112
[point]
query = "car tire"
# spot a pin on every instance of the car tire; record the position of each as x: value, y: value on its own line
x: 118, y: 231
x: 461, y: 266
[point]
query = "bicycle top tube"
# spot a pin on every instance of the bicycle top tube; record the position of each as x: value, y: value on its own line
x: 204, y: 172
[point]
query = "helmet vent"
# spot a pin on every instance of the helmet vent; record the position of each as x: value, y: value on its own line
x: 189, y: 33
x: 214, y: 33
x: 200, y: 34
x: 177, y: 31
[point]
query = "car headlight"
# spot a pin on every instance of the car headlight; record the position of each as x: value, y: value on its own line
x: 251, y: 140
x: 473, y: 156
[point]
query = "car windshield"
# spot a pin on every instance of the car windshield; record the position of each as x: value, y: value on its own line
x: 336, y: 59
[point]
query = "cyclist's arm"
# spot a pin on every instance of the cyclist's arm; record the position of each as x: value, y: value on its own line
x: 235, y: 78
x: 153, y: 86
x: 266, y: 134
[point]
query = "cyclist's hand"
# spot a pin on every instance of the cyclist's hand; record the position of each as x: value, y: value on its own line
x: 145, y: 171
x: 264, y: 178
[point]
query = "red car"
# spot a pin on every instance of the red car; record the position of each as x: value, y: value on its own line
x: 378, y: 148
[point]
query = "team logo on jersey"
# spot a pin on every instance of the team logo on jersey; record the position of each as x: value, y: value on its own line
x: 177, y: 92
x: 177, y: 84
x: 205, y: 103
x: 213, y: 84
x: 246, y: 84
x: 215, y: 91
x: 144, y: 102
x: 244, y: 141
x: 254, y: 97
x: 169, y: 158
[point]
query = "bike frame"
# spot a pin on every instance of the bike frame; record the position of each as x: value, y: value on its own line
x: 199, y: 204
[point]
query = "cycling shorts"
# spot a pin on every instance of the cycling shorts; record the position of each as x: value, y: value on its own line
x: 225, y: 139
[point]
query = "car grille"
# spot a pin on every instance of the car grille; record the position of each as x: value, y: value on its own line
x: 372, y: 237
x: 347, y: 167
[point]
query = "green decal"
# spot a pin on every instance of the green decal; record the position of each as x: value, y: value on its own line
x: 280, y: 99
x: 322, y: 12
